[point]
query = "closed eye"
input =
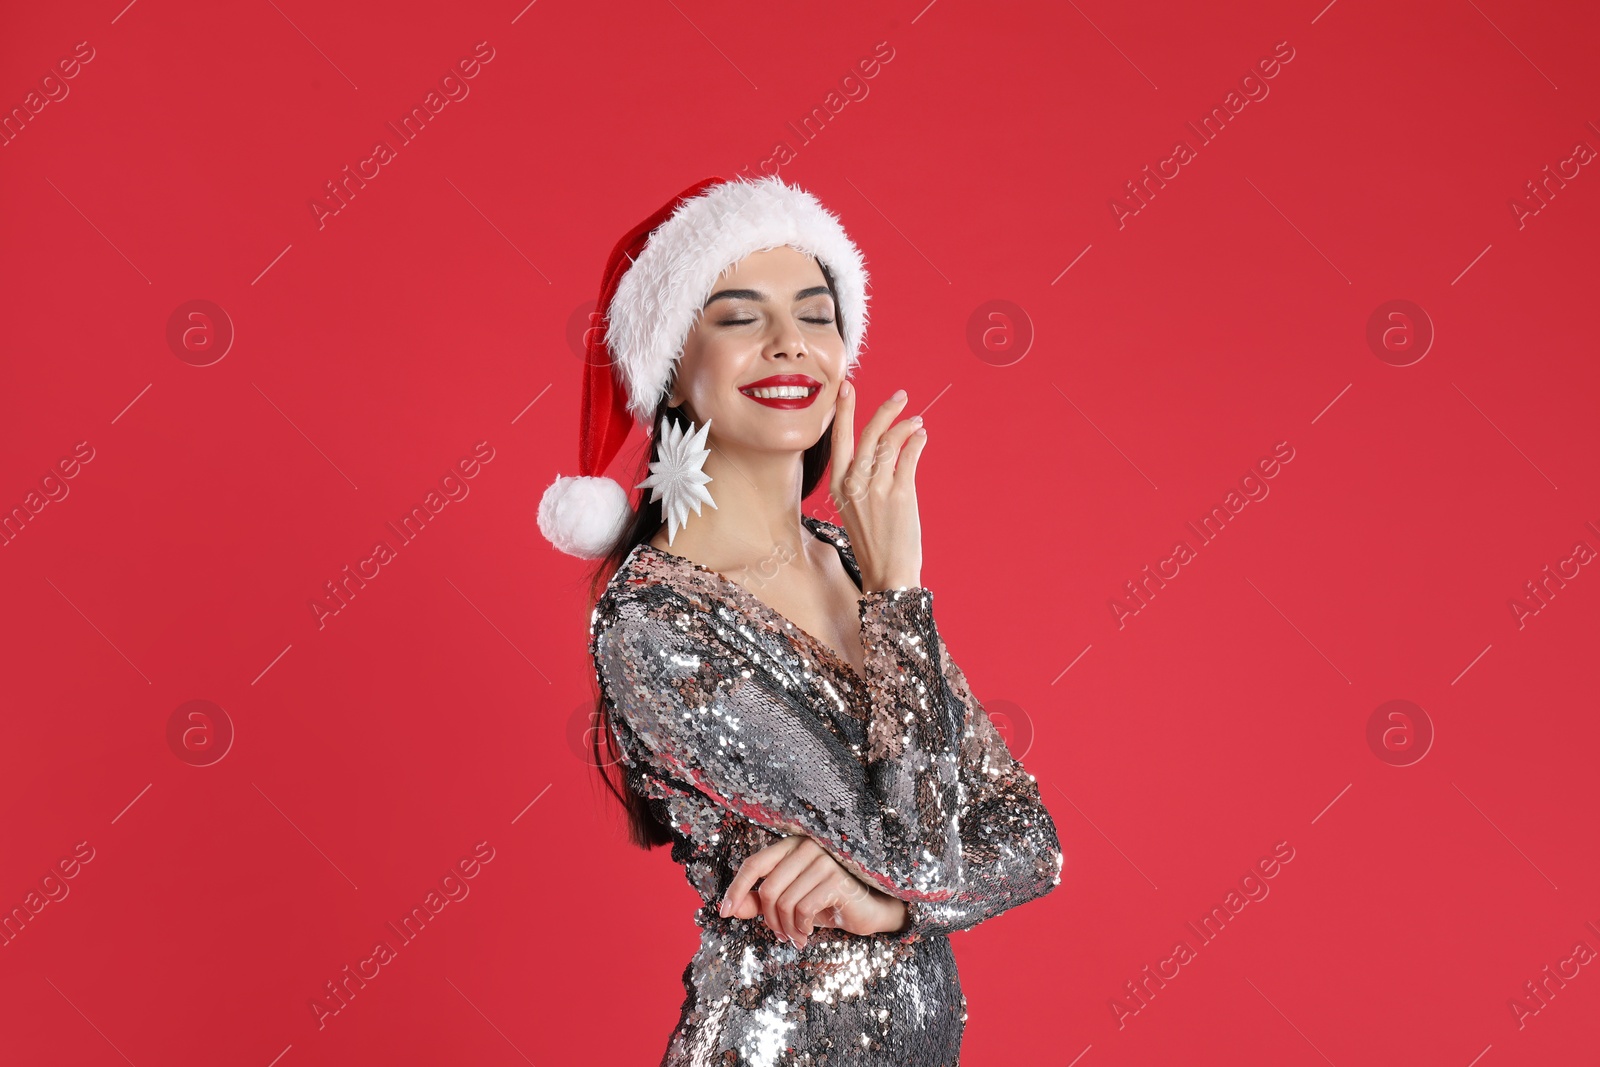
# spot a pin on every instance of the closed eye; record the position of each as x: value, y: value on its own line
x: 746, y: 322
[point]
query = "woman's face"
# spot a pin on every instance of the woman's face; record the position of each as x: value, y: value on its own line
x: 770, y: 315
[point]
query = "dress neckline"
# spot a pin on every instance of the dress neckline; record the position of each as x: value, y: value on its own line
x: 823, y: 529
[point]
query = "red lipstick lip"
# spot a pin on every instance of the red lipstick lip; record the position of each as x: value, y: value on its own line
x: 782, y: 379
x: 814, y: 387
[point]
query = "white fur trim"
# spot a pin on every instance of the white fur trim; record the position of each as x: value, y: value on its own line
x: 583, y: 516
x: 659, y: 297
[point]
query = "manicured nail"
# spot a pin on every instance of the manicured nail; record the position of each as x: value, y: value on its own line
x: 844, y: 388
x: 916, y: 419
x: 899, y: 394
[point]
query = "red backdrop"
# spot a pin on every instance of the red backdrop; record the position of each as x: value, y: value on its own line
x: 1343, y: 322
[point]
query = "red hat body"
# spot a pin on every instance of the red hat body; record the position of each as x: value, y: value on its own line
x: 605, y: 418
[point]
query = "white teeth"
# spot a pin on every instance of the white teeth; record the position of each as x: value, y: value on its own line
x: 781, y: 392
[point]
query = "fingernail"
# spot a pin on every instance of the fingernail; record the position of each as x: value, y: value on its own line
x: 916, y: 419
x: 844, y: 388
x: 900, y: 394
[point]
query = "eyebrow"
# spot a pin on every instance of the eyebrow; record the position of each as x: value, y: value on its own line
x: 759, y: 297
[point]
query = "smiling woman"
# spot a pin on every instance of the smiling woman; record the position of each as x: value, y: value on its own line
x: 836, y: 795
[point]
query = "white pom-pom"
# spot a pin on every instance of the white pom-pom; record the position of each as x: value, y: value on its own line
x: 583, y: 516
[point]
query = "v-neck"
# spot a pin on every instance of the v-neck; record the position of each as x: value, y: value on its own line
x: 754, y: 603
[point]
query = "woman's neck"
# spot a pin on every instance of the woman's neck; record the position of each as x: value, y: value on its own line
x: 757, y: 513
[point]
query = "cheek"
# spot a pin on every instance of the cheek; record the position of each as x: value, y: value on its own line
x: 830, y: 354
x: 720, y: 368
x: 713, y: 398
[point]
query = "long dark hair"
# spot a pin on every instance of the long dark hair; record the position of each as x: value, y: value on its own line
x: 645, y: 829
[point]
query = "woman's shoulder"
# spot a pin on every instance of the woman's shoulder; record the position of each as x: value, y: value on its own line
x: 654, y: 594
x: 832, y: 530
x: 633, y: 574
x: 835, y: 535
x: 619, y: 599
x: 647, y: 577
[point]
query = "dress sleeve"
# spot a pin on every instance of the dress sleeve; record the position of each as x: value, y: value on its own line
x: 1010, y: 850
x: 703, y: 703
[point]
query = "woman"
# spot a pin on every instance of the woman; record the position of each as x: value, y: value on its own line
x: 803, y: 739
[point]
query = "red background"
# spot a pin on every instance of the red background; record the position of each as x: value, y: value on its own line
x: 442, y: 707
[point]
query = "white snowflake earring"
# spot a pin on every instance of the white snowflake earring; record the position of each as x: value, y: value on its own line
x: 677, y: 478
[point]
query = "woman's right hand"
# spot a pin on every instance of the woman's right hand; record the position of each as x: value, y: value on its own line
x: 796, y: 886
x: 874, y: 487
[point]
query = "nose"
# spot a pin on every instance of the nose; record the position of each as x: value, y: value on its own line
x: 788, y: 342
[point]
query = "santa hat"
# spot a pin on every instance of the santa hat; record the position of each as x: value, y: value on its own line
x: 656, y: 281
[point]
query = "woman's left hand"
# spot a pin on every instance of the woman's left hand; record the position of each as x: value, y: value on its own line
x: 803, y: 887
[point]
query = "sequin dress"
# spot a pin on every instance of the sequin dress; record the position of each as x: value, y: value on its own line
x: 741, y: 728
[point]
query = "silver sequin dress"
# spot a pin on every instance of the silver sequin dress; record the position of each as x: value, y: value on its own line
x: 741, y: 728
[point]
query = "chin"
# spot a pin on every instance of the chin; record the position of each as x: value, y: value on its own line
x: 794, y: 441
